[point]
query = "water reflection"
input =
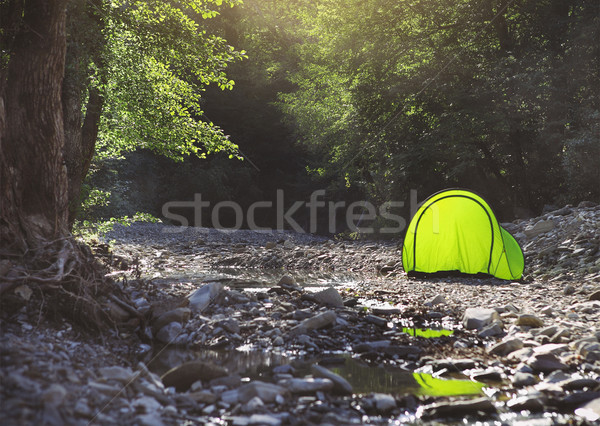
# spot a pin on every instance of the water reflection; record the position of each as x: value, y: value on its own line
x: 363, y: 378
x: 427, y: 332
x: 257, y: 279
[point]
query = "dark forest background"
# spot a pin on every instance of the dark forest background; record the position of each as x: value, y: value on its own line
x: 369, y: 99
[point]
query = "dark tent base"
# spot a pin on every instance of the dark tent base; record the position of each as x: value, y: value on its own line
x: 451, y: 274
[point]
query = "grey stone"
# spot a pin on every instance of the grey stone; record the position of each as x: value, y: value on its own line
x: 267, y: 392
x: 505, y: 347
x: 321, y: 320
x: 459, y: 408
x: 533, y: 404
x: 253, y: 405
x: 521, y: 379
x: 477, y: 318
x: 54, y: 395
x: 384, y: 402
x: 538, y: 228
x: 545, y: 363
x: 120, y: 374
x: 169, y: 332
x: 378, y: 321
x: 184, y: 375
x: 201, y: 298
x: 149, y: 420
x: 437, y: 300
x: 307, y: 385
x: 494, y: 329
x: 180, y: 315
x: 329, y: 296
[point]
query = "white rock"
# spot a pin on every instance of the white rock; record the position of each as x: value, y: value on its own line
x: 590, y: 411
x: 539, y: 228
x: 477, y: 318
x: 120, y: 374
x: 54, y: 395
x: 201, y: 298
x: 307, y: 385
x: 384, y: 402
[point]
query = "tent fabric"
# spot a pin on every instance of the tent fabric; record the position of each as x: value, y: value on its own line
x: 456, y: 230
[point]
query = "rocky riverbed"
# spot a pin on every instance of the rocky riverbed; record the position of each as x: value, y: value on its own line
x: 245, y: 328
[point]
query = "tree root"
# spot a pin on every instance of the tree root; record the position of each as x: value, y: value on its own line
x: 71, y: 282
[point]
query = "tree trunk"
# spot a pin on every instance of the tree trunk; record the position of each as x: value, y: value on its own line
x: 33, y: 175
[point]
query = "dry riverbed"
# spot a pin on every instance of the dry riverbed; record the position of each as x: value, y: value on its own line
x: 279, y: 328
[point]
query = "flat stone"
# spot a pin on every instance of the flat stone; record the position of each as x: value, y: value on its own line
x: 494, y: 329
x: 546, y: 363
x: 505, y: 347
x: 183, y: 376
x: 477, y: 318
x: 307, y: 385
x: 203, y: 396
x: 538, y: 228
x: 321, y: 320
x: 437, y: 300
x: 458, y: 408
x: 267, y: 392
x: 378, y: 321
x: 533, y: 404
x: 120, y: 374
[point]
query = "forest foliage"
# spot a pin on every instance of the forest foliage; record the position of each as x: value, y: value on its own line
x: 372, y: 98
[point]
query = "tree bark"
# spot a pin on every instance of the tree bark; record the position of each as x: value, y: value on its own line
x: 33, y: 174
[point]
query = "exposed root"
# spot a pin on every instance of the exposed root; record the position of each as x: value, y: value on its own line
x: 71, y: 283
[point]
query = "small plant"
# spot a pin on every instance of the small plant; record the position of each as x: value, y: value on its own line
x: 94, y: 231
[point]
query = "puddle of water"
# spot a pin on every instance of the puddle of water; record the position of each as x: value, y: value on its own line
x: 366, y: 379
x: 427, y: 332
x: 363, y: 378
x: 258, y: 279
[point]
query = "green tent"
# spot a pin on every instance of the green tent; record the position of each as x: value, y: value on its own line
x: 456, y: 230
